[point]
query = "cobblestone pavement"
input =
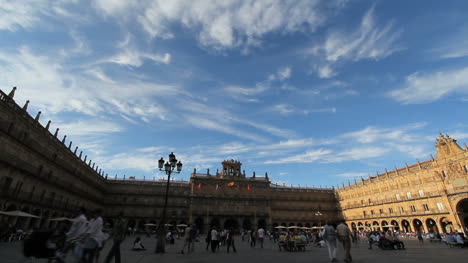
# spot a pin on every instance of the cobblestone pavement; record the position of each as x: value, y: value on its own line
x: 415, y: 252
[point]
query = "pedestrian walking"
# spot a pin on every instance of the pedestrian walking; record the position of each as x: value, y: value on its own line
x: 214, y: 240
x: 92, y: 237
x: 186, y: 240
x: 345, y: 236
x: 118, y: 235
x: 261, y: 236
x: 231, y: 241
x: 208, y: 239
x: 329, y: 236
x: 76, y: 230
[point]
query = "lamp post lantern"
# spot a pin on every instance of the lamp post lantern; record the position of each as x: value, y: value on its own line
x: 319, y: 214
x: 171, y: 166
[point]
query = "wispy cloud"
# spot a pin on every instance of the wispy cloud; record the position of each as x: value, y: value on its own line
x: 285, y: 109
x: 307, y: 157
x: 221, y: 24
x: 431, y: 86
x: 352, y: 175
x: 55, y: 85
x: 369, y: 41
x: 89, y: 127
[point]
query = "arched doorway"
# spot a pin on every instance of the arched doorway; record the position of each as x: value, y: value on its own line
x: 375, y: 225
x: 395, y: 225
x: 368, y: 225
x: 418, y: 226
x: 247, y: 224
x: 284, y: 224
x: 231, y: 223
x: 353, y: 226
x: 446, y: 224
x: 307, y: 225
x: 385, y: 226
x: 360, y: 226
x: 462, y: 211
x: 199, y: 224
x: 215, y: 223
x: 262, y: 223
x: 406, y: 225
x: 431, y: 225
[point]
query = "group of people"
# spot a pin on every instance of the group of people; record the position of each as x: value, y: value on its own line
x: 215, y: 239
x: 84, y: 239
x: 343, y: 235
x: 456, y: 238
x: 385, y: 240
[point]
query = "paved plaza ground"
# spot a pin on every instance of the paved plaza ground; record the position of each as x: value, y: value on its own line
x: 415, y: 252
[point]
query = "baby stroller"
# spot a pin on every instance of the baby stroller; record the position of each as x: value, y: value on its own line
x: 44, y: 244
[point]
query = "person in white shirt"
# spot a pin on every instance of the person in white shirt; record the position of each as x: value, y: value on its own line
x: 76, y: 230
x: 214, y: 240
x: 261, y: 236
x: 92, y: 237
x: 329, y: 236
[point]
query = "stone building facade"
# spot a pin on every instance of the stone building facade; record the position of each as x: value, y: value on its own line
x: 426, y: 196
x: 49, y: 177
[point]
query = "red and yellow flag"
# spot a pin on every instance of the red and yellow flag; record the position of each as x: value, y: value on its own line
x: 231, y: 184
x: 248, y: 187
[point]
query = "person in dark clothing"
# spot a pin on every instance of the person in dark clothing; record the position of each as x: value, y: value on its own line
x: 230, y: 240
x: 208, y: 239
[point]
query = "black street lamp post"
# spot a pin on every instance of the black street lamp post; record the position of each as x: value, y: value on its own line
x: 171, y: 166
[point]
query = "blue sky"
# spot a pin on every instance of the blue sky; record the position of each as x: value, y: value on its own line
x: 312, y: 92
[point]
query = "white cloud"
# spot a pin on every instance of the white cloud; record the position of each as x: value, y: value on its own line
x: 52, y: 84
x: 284, y: 73
x: 307, y: 157
x: 358, y: 153
x: 429, y: 87
x: 236, y: 90
x: 221, y: 24
x: 283, y: 109
x: 351, y: 175
x: 204, y: 123
x: 31, y: 14
x: 89, y: 127
x: 369, y: 41
x: 326, y: 71
x: 130, y: 55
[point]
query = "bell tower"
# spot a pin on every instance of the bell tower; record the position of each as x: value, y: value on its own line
x: 231, y: 168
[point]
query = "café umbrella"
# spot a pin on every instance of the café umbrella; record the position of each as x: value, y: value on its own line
x: 18, y: 213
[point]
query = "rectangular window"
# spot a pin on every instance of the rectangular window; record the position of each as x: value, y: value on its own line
x: 440, y: 206
x: 421, y: 193
x: 390, y: 210
x: 413, y: 208
x: 397, y: 197
x: 364, y: 213
x: 381, y: 211
x: 426, y: 207
x: 408, y: 194
x: 402, y: 210
x: 372, y: 212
